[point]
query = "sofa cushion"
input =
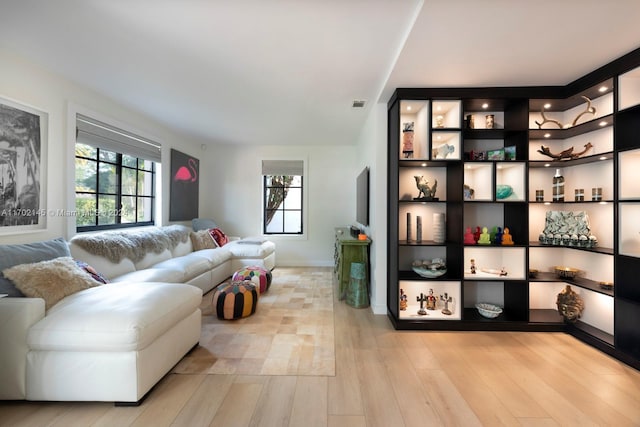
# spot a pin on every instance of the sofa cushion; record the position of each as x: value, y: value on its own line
x: 50, y: 280
x: 202, y: 240
x: 215, y: 257
x: 114, y: 317
x: 11, y: 255
x: 152, y: 258
x: 239, y: 250
x: 152, y: 275
x: 192, y: 264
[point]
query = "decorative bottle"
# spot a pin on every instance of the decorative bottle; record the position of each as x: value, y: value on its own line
x: 558, y: 187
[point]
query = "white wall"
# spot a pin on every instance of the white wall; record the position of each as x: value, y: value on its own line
x: 372, y: 152
x: 231, y: 183
x: 231, y: 194
x: 27, y: 83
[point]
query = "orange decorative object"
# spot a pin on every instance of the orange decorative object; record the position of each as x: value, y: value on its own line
x: 362, y: 236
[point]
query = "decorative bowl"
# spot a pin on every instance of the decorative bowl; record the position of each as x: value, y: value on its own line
x: 429, y: 273
x: 606, y: 285
x: 566, y: 272
x: 430, y: 268
x: 533, y: 273
x: 490, y: 311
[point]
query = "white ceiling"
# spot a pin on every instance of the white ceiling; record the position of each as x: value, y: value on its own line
x: 287, y: 71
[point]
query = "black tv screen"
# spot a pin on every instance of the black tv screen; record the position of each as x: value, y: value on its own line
x: 362, y: 197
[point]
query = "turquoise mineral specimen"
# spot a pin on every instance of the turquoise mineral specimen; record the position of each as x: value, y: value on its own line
x: 503, y: 191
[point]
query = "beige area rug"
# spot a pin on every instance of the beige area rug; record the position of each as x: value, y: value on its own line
x: 291, y: 333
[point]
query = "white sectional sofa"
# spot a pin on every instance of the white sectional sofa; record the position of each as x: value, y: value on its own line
x: 114, y: 342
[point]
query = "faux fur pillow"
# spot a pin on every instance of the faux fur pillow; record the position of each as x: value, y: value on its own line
x: 202, y: 240
x: 50, y: 280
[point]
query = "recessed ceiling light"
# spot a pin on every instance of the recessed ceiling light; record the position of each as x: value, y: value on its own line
x: 603, y: 123
x: 424, y: 165
x: 547, y: 106
x: 485, y: 105
x: 358, y: 103
x: 547, y: 203
x: 438, y: 137
x: 408, y: 107
x: 546, y: 165
x: 547, y: 135
x: 499, y: 166
x: 603, y: 158
x: 603, y: 89
x: 439, y: 108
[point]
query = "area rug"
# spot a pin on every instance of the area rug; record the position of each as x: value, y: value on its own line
x: 291, y: 333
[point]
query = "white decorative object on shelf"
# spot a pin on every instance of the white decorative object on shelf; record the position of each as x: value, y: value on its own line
x: 438, y: 227
x: 490, y: 311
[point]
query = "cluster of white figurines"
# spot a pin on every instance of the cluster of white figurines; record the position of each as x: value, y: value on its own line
x: 567, y: 229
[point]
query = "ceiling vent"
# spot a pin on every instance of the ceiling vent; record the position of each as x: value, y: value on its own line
x: 358, y: 103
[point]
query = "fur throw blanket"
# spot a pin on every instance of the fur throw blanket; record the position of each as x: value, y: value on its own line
x: 117, y: 245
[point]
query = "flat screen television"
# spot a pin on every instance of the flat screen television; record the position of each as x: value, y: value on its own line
x: 362, y: 197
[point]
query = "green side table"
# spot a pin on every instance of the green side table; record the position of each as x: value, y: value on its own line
x: 348, y: 249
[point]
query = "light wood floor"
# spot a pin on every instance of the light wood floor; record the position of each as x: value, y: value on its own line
x: 388, y: 378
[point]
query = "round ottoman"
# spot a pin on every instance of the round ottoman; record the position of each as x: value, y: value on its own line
x: 259, y: 276
x: 235, y: 300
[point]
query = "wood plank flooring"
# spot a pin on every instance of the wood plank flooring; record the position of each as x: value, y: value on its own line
x: 388, y: 378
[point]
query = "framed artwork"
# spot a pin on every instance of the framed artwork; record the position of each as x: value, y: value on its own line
x: 184, y: 196
x: 495, y: 154
x: 510, y: 152
x: 23, y: 144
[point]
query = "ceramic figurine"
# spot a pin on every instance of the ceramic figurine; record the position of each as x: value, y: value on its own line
x: 447, y: 299
x: 485, y: 238
x: 468, y: 192
x: 425, y: 191
x: 431, y: 301
x: 498, y: 239
x: 403, y: 300
x: 407, y: 140
x: 421, y: 299
x: 468, y: 237
x: 473, y: 266
x: 492, y: 234
x: 506, y: 237
x: 476, y: 234
x: 443, y: 151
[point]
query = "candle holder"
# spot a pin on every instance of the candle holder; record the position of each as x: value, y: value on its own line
x: 579, y: 194
x: 596, y: 194
x: 539, y: 195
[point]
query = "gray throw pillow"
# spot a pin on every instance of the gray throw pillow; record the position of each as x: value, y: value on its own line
x: 27, y: 253
x: 203, y: 224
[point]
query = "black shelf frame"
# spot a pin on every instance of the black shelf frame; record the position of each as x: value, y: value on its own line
x: 519, y: 104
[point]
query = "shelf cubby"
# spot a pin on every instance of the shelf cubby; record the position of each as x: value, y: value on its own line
x: 413, y: 289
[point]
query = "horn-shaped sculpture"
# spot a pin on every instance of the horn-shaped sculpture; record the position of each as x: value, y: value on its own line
x: 588, y: 110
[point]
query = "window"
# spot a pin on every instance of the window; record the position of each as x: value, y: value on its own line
x: 115, y: 177
x: 283, y: 192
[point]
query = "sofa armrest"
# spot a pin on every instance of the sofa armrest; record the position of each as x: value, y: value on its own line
x: 17, y: 315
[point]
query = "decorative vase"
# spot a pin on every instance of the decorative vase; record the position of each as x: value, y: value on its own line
x: 489, y: 121
x: 408, y: 227
x: 558, y: 187
x: 419, y: 229
x: 438, y: 228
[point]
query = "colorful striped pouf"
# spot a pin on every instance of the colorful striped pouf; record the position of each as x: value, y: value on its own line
x: 235, y: 300
x: 259, y: 276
